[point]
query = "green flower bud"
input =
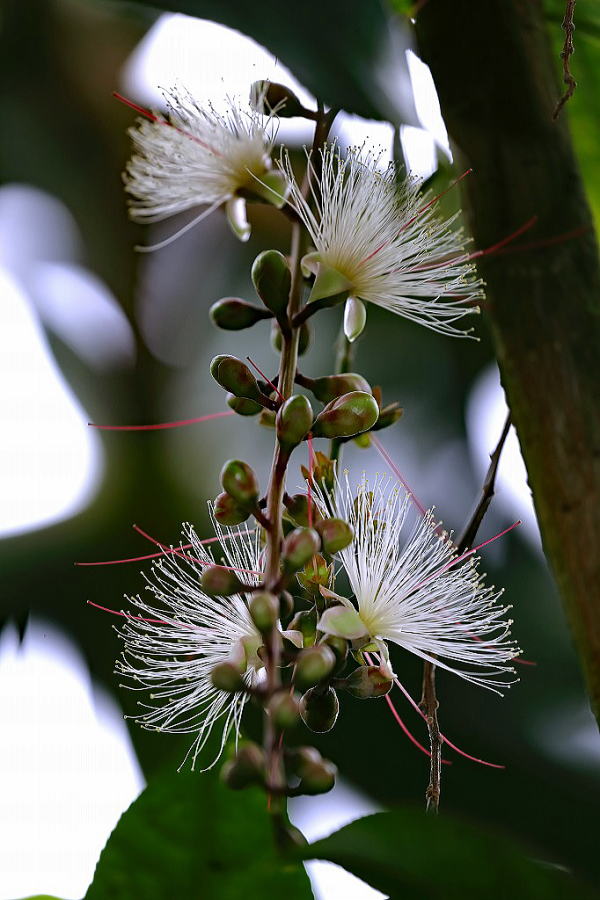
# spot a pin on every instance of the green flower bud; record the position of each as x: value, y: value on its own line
x: 331, y: 386
x: 267, y: 418
x: 319, y: 709
x: 306, y: 623
x: 220, y: 582
x: 264, y: 610
x: 297, y: 508
x: 284, y: 710
x: 319, y: 778
x: 233, y: 375
x: 228, y: 511
x: 335, y: 534
x: 286, y: 605
x: 340, y: 648
x: 272, y: 280
x: 389, y: 415
x: 266, y: 95
x: 346, y: 416
x: 369, y: 681
x: 313, y: 665
x: 232, y: 314
x: 294, y: 421
x: 239, y: 481
x: 226, y: 677
x: 247, y: 767
x: 316, y: 572
x: 303, y: 338
x: 242, y: 406
x: 298, y: 547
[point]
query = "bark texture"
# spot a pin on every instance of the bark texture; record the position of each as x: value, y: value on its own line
x: 496, y: 77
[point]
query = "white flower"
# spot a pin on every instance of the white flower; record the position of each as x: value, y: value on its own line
x: 182, y: 633
x: 381, y: 241
x: 412, y: 593
x: 199, y: 156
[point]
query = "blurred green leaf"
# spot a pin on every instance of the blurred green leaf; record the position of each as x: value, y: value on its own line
x: 189, y: 836
x: 442, y: 859
x: 338, y: 49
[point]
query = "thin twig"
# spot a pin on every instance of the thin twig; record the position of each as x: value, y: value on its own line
x: 429, y: 702
x: 568, y: 26
x: 467, y: 538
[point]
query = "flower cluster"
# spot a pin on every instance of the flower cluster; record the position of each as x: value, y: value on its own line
x: 415, y: 591
x: 175, y: 640
x: 270, y: 621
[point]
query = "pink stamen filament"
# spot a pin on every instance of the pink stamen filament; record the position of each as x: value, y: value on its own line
x: 115, y: 562
x: 495, y: 248
x: 416, y: 216
x: 159, y: 121
x: 435, y: 199
x: 408, y: 734
x: 270, y: 383
x: 388, y: 459
x: 193, y: 559
x: 161, y: 425
x: 125, y: 615
x: 445, y: 740
x: 311, y: 464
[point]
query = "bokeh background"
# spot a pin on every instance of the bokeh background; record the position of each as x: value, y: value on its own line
x: 91, y: 331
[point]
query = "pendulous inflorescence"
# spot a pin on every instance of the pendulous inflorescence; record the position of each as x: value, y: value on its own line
x: 312, y: 592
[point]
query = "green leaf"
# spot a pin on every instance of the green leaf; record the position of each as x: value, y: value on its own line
x: 335, y: 49
x: 406, y: 853
x: 187, y: 836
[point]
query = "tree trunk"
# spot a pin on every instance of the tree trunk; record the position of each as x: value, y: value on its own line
x: 496, y: 78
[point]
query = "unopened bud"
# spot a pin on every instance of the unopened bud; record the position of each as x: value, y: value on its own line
x: 369, y: 681
x: 228, y: 511
x: 346, y: 416
x: 265, y: 96
x: 335, y: 534
x: 313, y: 665
x: 298, y: 547
x: 239, y: 481
x: 319, y: 709
x: 294, y: 421
x: 306, y: 623
x: 303, y: 338
x: 233, y: 375
x: 264, y: 610
x: 232, y: 314
x: 272, y: 280
x: 340, y: 648
x: 218, y: 581
x: 226, y: 677
x: 319, y: 778
x: 247, y: 767
x: 388, y: 416
x: 284, y: 710
x: 331, y: 386
x: 316, y: 571
x: 298, y: 509
x: 242, y: 406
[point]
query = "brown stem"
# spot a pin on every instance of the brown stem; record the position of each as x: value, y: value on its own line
x: 429, y: 704
x: 568, y: 26
x: 467, y: 538
x: 275, y: 775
